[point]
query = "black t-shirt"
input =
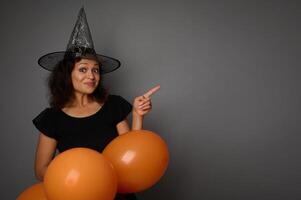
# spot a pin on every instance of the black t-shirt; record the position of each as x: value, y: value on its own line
x: 94, y: 131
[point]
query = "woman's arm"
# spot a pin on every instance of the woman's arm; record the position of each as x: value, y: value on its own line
x: 137, y: 121
x: 123, y: 126
x: 141, y: 106
x: 44, y: 154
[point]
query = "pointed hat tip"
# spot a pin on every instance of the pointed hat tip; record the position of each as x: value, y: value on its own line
x: 82, y: 11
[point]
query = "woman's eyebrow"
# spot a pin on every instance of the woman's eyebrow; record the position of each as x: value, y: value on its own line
x: 87, y: 63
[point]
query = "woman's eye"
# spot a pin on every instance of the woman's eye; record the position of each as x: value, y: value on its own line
x: 96, y: 70
x: 82, y: 69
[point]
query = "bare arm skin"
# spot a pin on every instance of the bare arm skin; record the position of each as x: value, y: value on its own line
x: 44, y: 154
x: 123, y: 127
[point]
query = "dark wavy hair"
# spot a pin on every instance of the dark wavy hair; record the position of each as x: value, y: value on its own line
x: 61, y: 90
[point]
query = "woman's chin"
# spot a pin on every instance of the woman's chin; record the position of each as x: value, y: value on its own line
x: 90, y: 92
x: 87, y: 92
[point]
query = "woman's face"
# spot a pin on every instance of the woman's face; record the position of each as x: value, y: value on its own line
x: 85, y: 76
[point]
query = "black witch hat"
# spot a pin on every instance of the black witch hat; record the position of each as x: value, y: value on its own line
x: 80, y: 45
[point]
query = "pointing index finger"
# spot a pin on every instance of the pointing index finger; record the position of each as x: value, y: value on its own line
x: 152, y: 91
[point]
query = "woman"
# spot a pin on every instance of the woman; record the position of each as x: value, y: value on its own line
x: 81, y: 113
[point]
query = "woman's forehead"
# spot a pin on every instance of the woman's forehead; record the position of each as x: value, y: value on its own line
x: 88, y: 61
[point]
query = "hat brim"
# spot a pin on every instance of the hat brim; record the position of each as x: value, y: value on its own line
x: 50, y: 60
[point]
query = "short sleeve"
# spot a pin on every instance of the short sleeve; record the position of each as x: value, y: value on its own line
x: 121, y: 108
x: 44, y: 122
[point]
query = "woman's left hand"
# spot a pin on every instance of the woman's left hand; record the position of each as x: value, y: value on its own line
x: 142, y: 104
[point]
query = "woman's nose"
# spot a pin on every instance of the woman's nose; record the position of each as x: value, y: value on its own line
x: 91, y: 75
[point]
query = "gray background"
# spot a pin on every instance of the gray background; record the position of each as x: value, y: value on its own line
x: 229, y: 106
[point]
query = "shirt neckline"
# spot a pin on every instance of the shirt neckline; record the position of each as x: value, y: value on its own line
x: 86, y: 117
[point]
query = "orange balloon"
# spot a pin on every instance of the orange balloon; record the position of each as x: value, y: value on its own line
x: 80, y: 174
x: 34, y: 192
x: 140, y: 159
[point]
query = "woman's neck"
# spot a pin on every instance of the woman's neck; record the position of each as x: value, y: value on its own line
x: 81, y: 100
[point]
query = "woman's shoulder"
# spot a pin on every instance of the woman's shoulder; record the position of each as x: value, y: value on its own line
x: 49, y: 112
x: 118, y: 107
x: 114, y: 98
x: 45, y: 122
